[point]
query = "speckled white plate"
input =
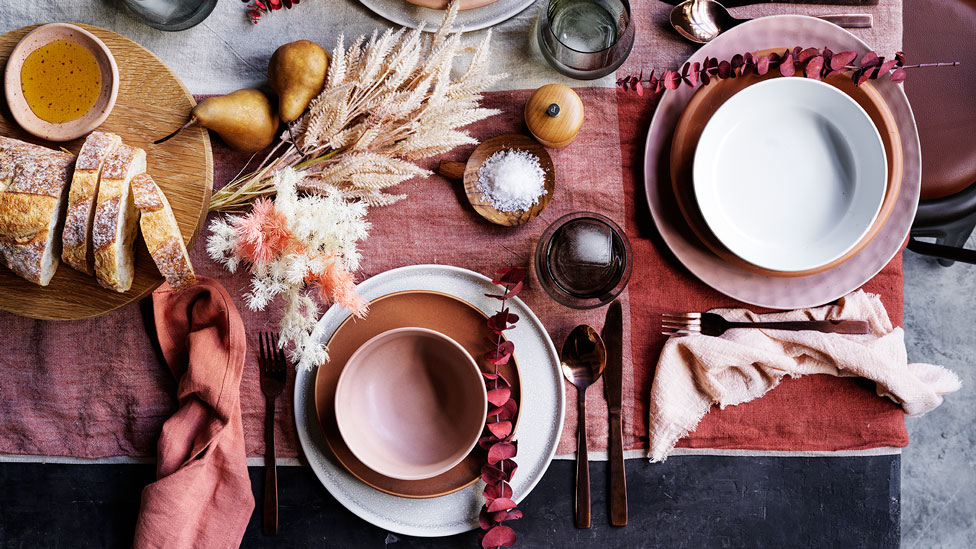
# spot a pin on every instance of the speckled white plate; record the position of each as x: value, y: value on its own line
x: 543, y: 401
x: 412, y: 16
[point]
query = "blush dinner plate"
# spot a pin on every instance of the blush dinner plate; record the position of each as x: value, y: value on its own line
x: 819, y: 184
x: 728, y: 278
x: 437, y: 311
x: 542, y: 399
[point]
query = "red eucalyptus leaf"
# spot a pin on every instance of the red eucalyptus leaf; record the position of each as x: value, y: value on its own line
x: 864, y: 76
x: 498, y: 359
x: 828, y: 55
x: 786, y: 67
x: 639, y: 88
x: 486, y: 442
x: 724, y: 69
x: 870, y: 59
x: 737, y: 61
x: 900, y: 58
x: 705, y: 79
x: 807, y: 54
x: 508, y: 467
x: 501, y: 429
x: 685, y: 69
x: 505, y: 411
x: 898, y: 76
x: 501, y: 451
x: 498, y: 490
x: 774, y: 58
x: 888, y: 65
x: 501, y: 504
x: 484, y: 519
x: 762, y: 66
x: 842, y: 59
x: 491, y: 376
x: 503, y: 516
x: 693, y: 75
x: 814, y: 65
x: 500, y: 297
x: 671, y: 80
x: 499, y: 536
x: 493, y: 475
x: 499, y: 397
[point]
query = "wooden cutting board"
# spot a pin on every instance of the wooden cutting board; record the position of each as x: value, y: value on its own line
x: 152, y: 102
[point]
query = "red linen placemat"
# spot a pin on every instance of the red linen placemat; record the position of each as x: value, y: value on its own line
x: 94, y: 388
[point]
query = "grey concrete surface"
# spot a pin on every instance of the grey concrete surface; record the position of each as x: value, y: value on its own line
x: 939, y: 465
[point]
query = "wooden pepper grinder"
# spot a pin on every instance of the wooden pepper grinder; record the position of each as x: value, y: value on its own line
x: 554, y: 115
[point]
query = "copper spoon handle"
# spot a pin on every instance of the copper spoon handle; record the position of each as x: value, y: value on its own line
x: 582, y: 466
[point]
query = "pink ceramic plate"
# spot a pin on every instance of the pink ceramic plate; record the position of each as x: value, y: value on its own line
x: 411, y: 403
x: 753, y: 288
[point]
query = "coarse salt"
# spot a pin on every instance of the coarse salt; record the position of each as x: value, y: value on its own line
x: 512, y: 180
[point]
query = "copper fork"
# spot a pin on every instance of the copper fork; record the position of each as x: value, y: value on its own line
x: 274, y: 372
x: 711, y: 324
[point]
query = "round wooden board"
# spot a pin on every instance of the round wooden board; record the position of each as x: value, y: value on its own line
x: 489, y: 147
x: 152, y: 102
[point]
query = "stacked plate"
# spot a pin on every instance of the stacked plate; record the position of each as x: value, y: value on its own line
x: 385, y: 422
x: 783, y: 192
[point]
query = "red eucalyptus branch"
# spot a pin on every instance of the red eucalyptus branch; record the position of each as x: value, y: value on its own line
x: 809, y: 62
x: 499, y: 425
x: 257, y: 8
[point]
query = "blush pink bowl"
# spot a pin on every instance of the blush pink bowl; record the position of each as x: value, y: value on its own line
x: 411, y: 403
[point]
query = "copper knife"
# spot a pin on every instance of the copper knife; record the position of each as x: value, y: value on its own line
x: 613, y: 385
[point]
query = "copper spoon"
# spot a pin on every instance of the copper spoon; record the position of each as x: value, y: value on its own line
x: 583, y: 359
x: 702, y: 20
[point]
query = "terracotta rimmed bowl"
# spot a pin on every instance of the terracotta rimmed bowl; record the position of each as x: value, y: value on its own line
x: 411, y: 403
x: 72, y: 129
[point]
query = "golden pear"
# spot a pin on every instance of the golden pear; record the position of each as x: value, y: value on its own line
x: 297, y: 73
x: 244, y: 119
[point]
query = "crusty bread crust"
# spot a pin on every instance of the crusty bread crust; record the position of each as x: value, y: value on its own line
x: 116, y: 218
x: 33, y: 192
x: 76, y: 238
x: 162, y: 233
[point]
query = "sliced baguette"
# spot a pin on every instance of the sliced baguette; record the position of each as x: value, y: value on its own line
x: 162, y: 233
x: 76, y: 238
x: 117, y: 219
x: 33, y: 192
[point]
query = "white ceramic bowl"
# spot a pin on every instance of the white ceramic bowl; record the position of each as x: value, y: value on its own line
x: 790, y: 174
x: 411, y: 403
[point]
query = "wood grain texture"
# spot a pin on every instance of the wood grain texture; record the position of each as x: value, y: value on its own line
x: 491, y: 146
x: 557, y: 131
x: 151, y: 103
x: 699, y: 111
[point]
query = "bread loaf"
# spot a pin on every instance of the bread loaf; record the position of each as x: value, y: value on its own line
x: 116, y: 218
x: 162, y: 233
x: 33, y: 191
x: 76, y: 238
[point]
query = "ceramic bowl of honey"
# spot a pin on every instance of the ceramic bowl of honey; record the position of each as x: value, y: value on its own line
x: 61, y: 82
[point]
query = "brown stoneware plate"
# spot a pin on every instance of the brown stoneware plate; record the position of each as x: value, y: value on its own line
x: 442, y: 313
x: 104, y: 102
x: 151, y: 102
x: 700, y: 109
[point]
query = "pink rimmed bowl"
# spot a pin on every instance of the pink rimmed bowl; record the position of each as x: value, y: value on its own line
x: 411, y: 403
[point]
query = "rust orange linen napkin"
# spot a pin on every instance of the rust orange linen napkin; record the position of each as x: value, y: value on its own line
x: 698, y: 371
x: 202, y: 497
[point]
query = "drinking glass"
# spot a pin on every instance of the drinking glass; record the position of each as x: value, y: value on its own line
x: 583, y: 260
x: 172, y: 15
x: 585, y: 39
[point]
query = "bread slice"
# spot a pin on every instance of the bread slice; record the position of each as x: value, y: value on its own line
x: 76, y: 238
x: 117, y: 219
x: 162, y: 233
x: 33, y: 192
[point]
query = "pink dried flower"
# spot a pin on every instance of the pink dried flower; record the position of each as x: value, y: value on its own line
x: 262, y: 233
x: 336, y: 285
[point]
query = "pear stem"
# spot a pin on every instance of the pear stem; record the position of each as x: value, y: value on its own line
x: 193, y: 120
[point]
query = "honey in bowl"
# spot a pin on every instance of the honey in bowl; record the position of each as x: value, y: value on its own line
x: 60, y: 81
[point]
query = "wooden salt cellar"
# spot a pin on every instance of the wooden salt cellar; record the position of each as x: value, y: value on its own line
x: 554, y: 115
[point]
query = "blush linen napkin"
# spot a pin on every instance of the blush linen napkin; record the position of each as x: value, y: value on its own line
x: 202, y: 497
x: 695, y: 372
